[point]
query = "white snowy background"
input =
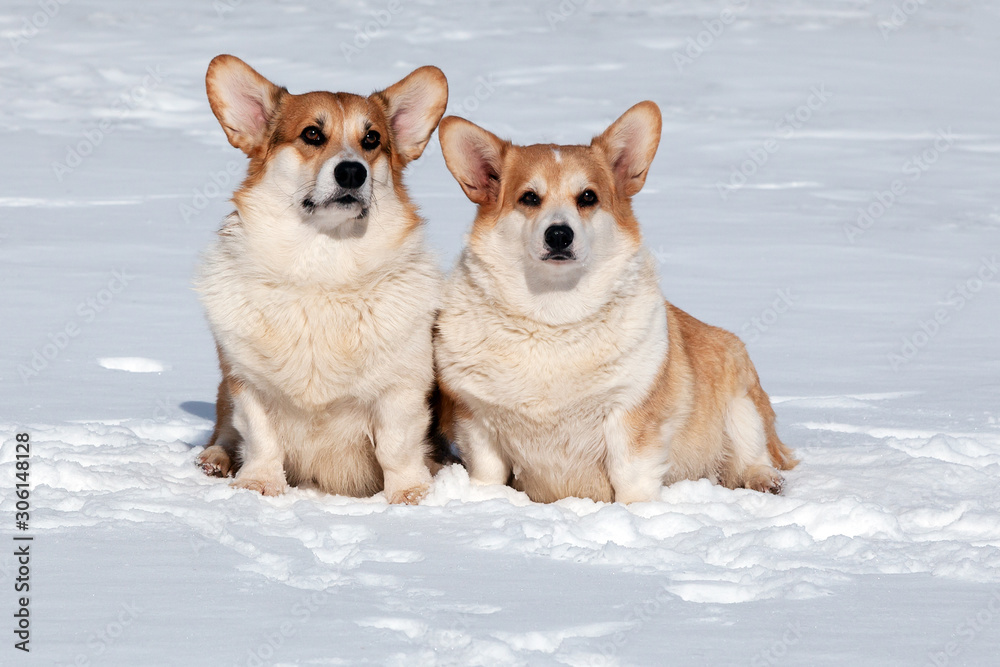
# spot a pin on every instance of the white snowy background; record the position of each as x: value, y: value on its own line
x: 878, y: 341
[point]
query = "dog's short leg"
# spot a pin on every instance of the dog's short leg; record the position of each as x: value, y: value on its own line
x: 263, y: 459
x: 480, y: 452
x: 401, y: 421
x: 749, y: 464
x: 636, y: 473
x: 215, y: 461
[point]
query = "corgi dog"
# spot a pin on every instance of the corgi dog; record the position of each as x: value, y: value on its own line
x: 562, y: 370
x: 320, y: 291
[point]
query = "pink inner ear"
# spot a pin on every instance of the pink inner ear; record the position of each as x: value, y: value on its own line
x: 405, y: 124
x: 480, y: 166
x: 626, y: 150
x: 248, y: 111
x: 412, y: 121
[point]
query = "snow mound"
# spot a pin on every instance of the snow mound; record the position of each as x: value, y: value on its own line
x: 132, y: 364
x: 708, y: 544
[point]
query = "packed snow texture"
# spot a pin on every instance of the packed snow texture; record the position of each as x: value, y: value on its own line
x: 826, y: 187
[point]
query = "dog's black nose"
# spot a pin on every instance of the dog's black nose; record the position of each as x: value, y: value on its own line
x: 350, y: 174
x: 559, y: 237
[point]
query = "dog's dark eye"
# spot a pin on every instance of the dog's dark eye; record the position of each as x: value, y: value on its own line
x: 371, y: 140
x: 313, y: 136
x: 586, y: 199
x: 529, y: 198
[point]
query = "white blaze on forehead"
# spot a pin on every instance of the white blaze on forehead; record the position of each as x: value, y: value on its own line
x: 353, y: 128
x: 557, y: 155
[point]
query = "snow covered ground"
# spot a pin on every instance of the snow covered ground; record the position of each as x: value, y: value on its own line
x: 826, y: 186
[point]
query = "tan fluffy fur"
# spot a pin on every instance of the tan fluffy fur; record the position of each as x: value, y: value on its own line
x: 322, y: 306
x: 576, y: 378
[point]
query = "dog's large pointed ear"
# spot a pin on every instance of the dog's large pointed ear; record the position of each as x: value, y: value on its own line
x: 414, y: 107
x: 630, y: 144
x: 474, y: 157
x: 242, y: 100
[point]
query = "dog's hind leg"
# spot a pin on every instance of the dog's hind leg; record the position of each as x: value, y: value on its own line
x: 780, y: 453
x: 748, y: 463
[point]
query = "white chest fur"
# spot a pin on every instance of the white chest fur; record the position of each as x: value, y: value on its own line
x: 318, y: 340
x: 543, y: 391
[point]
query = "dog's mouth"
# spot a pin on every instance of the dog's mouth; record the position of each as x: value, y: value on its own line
x: 347, y: 200
x: 342, y: 201
x: 559, y: 256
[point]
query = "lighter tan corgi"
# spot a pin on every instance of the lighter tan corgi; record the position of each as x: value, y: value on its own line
x: 561, y: 367
x: 320, y: 291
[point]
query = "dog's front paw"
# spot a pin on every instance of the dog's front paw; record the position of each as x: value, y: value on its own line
x: 215, y: 462
x: 266, y: 486
x: 410, y: 496
x: 764, y: 479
